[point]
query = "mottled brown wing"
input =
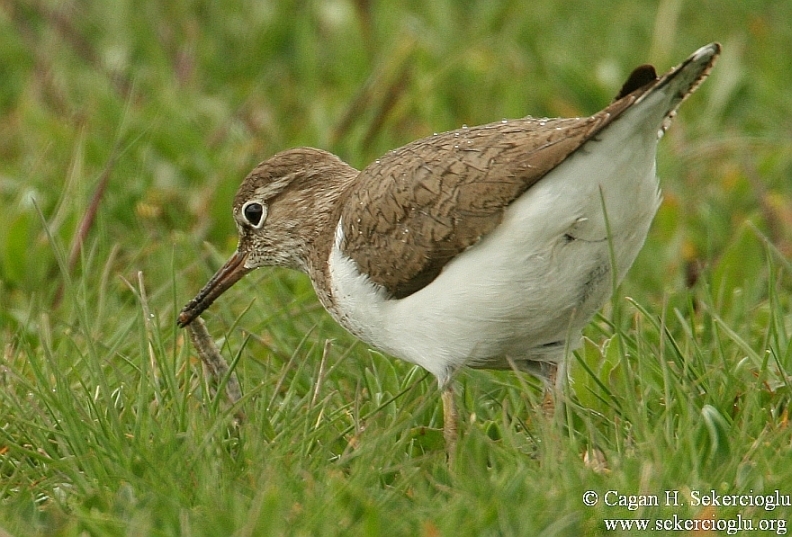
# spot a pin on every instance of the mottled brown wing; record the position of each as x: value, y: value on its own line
x: 423, y: 204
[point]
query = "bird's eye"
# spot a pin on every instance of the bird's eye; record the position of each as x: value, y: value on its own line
x: 253, y: 212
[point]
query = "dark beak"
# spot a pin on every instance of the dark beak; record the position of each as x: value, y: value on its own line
x: 228, y: 275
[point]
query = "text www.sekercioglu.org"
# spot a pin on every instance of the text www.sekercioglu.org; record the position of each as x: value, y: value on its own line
x: 731, y: 526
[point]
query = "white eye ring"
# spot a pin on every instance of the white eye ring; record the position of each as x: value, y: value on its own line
x: 254, y: 213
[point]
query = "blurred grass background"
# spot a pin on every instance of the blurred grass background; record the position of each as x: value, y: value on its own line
x: 125, y: 129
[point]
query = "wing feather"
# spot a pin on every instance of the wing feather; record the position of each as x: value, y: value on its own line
x: 421, y: 205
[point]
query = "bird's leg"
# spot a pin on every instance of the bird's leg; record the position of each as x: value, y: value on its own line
x: 449, y: 422
x: 551, y: 390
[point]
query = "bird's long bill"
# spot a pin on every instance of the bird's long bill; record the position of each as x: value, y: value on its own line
x: 228, y: 275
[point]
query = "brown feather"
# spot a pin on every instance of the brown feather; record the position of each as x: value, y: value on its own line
x: 421, y: 205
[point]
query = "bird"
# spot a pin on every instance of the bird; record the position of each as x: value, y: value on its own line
x: 487, y: 247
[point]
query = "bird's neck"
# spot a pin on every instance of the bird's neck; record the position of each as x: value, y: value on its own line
x: 323, y: 202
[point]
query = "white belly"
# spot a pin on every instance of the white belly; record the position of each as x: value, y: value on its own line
x: 529, y: 287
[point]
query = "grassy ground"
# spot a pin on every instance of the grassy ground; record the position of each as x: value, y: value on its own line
x: 125, y: 128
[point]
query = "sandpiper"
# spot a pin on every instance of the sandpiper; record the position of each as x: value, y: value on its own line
x: 486, y: 247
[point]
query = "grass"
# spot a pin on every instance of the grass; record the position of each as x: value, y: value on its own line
x: 125, y: 130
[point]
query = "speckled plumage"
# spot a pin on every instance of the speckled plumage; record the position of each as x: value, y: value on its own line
x: 484, y: 246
